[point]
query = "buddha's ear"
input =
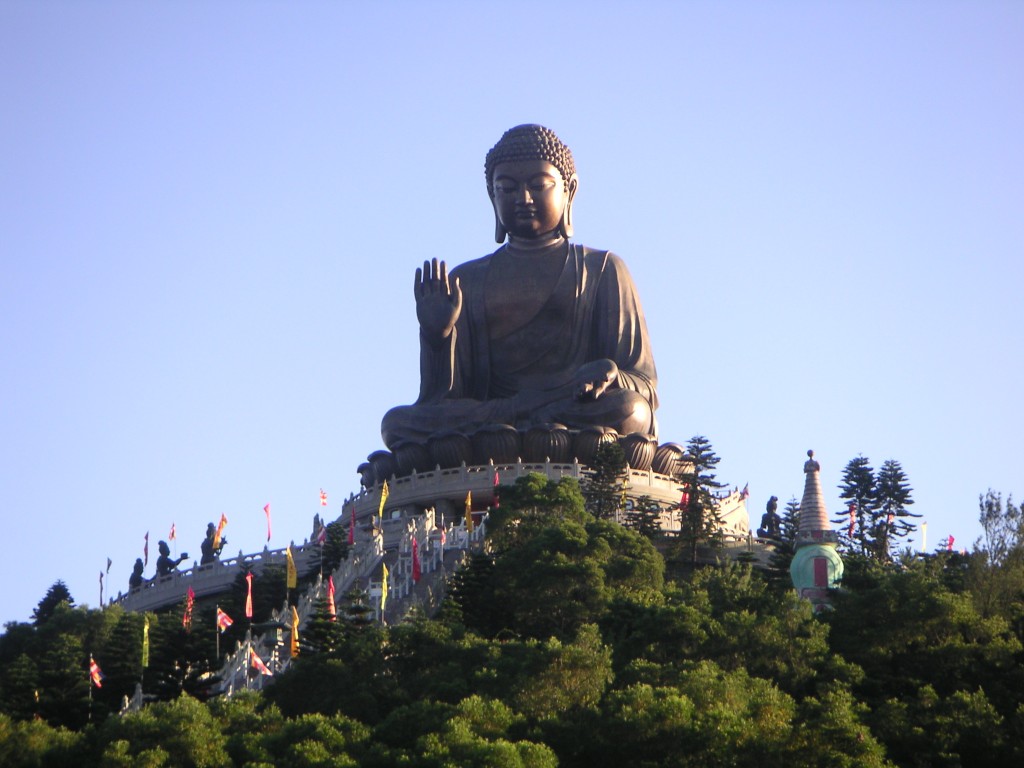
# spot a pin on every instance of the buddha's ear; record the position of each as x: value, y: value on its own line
x: 499, y: 229
x: 570, y: 187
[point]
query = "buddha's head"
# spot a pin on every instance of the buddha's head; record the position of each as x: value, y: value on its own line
x: 531, y: 180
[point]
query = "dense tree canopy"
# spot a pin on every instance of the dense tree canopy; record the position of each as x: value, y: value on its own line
x: 563, y: 644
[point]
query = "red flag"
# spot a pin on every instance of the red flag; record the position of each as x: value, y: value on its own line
x: 95, y: 673
x: 257, y: 662
x: 949, y: 543
x: 684, y: 501
x: 853, y: 518
x: 190, y: 600
x: 745, y: 493
x: 352, y: 527
x: 415, y: 561
x: 331, y: 609
x: 145, y: 550
x: 497, y: 481
x: 323, y: 498
x: 173, y: 534
x: 266, y: 509
x: 223, y: 620
x: 248, y: 597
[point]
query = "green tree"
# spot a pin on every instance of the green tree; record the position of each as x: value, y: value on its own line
x: 857, y: 489
x: 785, y: 546
x: 56, y: 596
x: 323, y: 633
x: 995, y: 570
x: 891, y: 523
x: 643, y: 515
x: 603, y: 489
x: 700, y: 522
x: 336, y: 547
x: 19, y: 688
x: 182, y: 732
x: 832, y: 732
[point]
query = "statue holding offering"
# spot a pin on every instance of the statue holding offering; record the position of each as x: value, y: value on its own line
x: 540, y: 331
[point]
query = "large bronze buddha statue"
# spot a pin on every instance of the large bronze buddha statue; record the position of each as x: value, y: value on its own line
x: 542, y: 331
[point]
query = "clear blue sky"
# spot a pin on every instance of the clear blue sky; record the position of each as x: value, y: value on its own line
x: 210, y: 214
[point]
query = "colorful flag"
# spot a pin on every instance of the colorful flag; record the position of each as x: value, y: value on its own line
x: 145, y: 642
x: 331, y: 608
x: 190, y: 600
x: 497, y: 482
x: 444, y: 536
x: 295, y: 633
x: 323, y: 498
x: 220, y: 530
x: 383, y: 587
x: 248, y: 597
x: 853, y: 519
x: 223, y: 620
x: 266, y: 510
x: 415, y: 561
x: 469, y: 511
x: 352, y: 523
x: 321, y: 535
x: 293, y: 575
x: 745, y: 493
x: 257, y: 662
x: 384, y: 492
x: 145, y: 550
x: 949, y: 543
x: 684, y: 500
x: 173, y: 534
x: 95, y: 673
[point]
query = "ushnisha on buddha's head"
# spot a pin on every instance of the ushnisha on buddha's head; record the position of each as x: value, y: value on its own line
x: 531, y: 180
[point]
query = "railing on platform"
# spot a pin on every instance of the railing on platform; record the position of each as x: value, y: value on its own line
x: 212, y: 578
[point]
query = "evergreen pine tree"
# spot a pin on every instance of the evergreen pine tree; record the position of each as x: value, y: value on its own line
x: 785, y: 546
x: 700, y: 522
x: 602, y: 490
x: 857, y: 489
x: 323, y: 634
x: 644, y: 516
x: 336, y: 548
x: 892, y: 497
x: 55, y: 596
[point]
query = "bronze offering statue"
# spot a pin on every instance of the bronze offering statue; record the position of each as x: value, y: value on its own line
x: 542, y: 332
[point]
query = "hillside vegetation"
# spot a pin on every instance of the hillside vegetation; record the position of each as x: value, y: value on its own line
x: 565, y: 645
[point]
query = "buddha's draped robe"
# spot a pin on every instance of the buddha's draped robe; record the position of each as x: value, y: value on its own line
x: 471, y: 379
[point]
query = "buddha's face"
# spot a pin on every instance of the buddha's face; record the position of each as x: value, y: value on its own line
x: 529, y: 197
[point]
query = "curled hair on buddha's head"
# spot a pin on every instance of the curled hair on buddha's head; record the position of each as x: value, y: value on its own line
x: 529, y: 142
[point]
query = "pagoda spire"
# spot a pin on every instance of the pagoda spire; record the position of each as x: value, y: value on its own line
x: 816, y: 567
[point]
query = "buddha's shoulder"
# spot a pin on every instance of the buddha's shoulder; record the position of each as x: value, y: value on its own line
x: 600, y: 258
x: 473, y: 266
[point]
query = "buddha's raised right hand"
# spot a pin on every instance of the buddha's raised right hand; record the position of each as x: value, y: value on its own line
x: 438, y: 301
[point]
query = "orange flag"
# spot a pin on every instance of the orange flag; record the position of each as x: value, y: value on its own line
x: 220, y: 530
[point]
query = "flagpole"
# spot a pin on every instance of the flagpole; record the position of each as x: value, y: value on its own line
x: 89, y: 673
x: 216, y: 629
